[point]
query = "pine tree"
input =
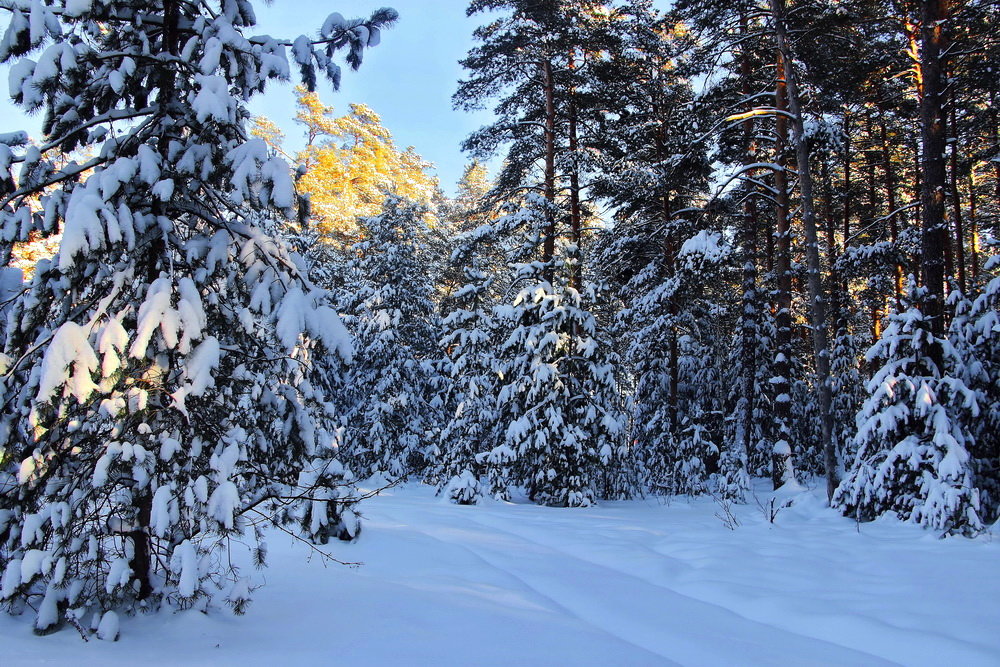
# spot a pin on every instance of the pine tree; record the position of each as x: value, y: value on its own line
x: 913, y: 439
x: 166, y: 375
x: 697, y: 453
x: 395, y: 410
x: 847, y: 387
x: 469, y: 208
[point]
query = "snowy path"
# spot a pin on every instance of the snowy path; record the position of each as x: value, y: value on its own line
x: 637, y: 583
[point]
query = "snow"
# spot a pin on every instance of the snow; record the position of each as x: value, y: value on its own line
x: 108, y: 627
x: 154, y: 312
x: 159, y: 521
x: 118, y: 574
x: 223, y: 503
x: 276, y: 172
x: 11, y: 282
x: 18, y: 138
x: 33, y: 564
x: 704, y: 246
x: 187, y: 567
x: 76, y: 8
x: 11, y: 579
x: 163, y: 190
x: 624, y: 583
x: 213, y: 100
x: 333, y: 23
x: 291, y: 319
x: 69, y: 347
x: 82, y: 230
x: 198, y: 371
x: 149, y: 164
x: 19, y: 77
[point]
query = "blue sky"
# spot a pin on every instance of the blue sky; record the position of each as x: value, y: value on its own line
x: 408, y: 79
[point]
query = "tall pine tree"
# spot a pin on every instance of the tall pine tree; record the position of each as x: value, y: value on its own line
x: 166, y: 376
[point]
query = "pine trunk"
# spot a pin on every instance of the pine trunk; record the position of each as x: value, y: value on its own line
x: 575, y: 206
x: 956, y: 201
x: 782, y: 454
x: 751, y: 225
x: 890, y: 192
x: 973, y: 228
x: 817, y: 300
x: 549, y: 243
x: 934, y: 231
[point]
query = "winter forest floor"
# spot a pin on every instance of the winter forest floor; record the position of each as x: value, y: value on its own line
x: 629, y: 583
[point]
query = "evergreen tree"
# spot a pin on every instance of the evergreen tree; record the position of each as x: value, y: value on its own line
x: 913, y: 438
x: 394, y: 387
x: 350, y: 163
x: 469, y: 208
x: 468, y: 435
x: 166, y: 377
x: 558, y: 401
x: 558, y: 418
x: 976, y: 335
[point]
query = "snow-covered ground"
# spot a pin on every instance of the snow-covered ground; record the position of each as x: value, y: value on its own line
x: 630, y: 583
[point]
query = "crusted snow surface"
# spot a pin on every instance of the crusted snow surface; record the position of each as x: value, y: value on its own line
x: 645, y: 582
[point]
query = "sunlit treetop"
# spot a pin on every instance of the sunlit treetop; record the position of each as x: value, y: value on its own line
x: 350, y: 164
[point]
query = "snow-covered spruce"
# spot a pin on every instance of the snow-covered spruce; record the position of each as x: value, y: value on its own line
x: 558, y: 406
x: 470, y: 345
x: 914, y: 434
x: 975, y: 333
x: 747, y: 370
x: 165, y: 377
x: 394, y: 411
x: 847, y: 390
x: 677, y: 404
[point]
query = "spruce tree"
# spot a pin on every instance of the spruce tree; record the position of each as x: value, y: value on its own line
x: 976, y: 336
x: 914, y: 440
x: 557, y: 404
x: 394, y: 416
x: 470, y: 345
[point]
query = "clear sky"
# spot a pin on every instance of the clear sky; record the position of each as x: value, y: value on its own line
x: 408, y: 79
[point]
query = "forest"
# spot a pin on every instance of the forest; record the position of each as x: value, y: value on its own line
x: 703, y: 248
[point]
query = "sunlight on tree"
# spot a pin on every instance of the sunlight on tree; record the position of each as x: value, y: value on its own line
x: 350, y: 164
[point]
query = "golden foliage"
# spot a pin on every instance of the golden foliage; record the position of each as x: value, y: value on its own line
x: 268, y: 130
x: 26, y: 255
x: 351, y: 163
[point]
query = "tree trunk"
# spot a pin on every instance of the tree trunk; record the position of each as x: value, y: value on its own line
x: 890, y: 193
x: 575, y: 209
x: 918, y: 186
x: 872, y: 156
x: 996, y: 141
x: 934, y: 232
x: 748, y: 343
x: 549, y: 243
x: 670, y: 256
x: 974, y: 228
x: 781, y: 468
x: 956, y: 201
x: 141, y: 546
x: 817, y: 300
x: 847, y: 178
